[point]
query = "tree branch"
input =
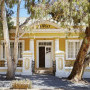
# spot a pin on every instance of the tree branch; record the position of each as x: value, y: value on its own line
x: 26, y: 21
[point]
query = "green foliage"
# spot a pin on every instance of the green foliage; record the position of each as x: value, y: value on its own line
x: 21, y: 84
x: 11, y: 3
x: 37, y: 9
x: 40, y: 11
x: 75, y: 11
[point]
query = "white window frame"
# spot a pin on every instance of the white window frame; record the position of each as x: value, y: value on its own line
x: 66, y: 47
x: 23, y: 45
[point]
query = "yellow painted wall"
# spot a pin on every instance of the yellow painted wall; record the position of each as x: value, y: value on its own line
x: 62, y: 44
x: 69, y: 63
x: 27, y: 46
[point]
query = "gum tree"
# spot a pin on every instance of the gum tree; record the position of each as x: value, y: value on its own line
x: 76, y: 13
x: 6, y: 40
x: 82, y: 60
x: 12, y: 63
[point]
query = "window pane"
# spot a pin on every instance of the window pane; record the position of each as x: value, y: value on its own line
x: 12, y: 48
x: 77, y: 47
x: 3, y: 50
x: 19, y: 50
x: 70, y: 49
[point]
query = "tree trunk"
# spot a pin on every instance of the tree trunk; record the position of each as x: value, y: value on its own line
x: 16, y: 38
x: 86, y: 61
x: 7, y: 43
x: 78, y: 67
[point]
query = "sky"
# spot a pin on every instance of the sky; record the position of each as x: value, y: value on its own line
x: 23, y: 11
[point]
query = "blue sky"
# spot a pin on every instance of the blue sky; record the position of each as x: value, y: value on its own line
x: 23, y: 11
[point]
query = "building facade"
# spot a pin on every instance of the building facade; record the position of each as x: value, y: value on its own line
x: 44, y: 44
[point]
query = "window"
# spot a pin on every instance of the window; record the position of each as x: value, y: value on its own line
x: 45, y: 43
x: 3, y: 50
x: 20, y: 49
x: 72, y: 48
x: 12, y: 48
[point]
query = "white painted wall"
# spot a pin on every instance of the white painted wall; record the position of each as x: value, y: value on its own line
x: 56, y: 45
x: 32, y: 48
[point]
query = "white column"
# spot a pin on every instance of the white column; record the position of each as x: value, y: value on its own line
x: 32, y: 48
x: 60, y: 64
x: 56, y: 45
x: 27, y: 63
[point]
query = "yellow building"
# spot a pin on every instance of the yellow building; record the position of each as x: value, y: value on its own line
x: 47, y: 45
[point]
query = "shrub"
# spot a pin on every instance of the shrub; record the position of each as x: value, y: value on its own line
x: 21, y: 84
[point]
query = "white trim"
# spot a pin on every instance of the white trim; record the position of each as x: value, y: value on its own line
x: 68, y: 67
x: 57, y: 45
x: 7, y: 67
x: 66, y: 47
x: 60, y: 30
x: 37, y: 49
x: 48, y: 37
x: 31, y: 47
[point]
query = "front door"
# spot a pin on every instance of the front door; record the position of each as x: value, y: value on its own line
x: 48, y: 57
x: 45, y: 54
x: 41, y: 56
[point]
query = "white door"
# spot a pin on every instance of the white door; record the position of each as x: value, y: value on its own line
x: 48, y: 57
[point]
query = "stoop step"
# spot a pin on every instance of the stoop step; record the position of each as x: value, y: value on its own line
x: 44, y: 71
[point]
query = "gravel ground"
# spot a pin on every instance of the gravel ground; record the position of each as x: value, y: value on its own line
x: 47, y: 82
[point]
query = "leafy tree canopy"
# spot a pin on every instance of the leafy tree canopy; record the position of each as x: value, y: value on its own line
x: 75, y: 11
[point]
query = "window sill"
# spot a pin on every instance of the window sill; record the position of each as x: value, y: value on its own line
x: 6, y: 68
x: 68, y: 67
x: 20, y: 58
x: 5, y: 59
x: 70, y: 58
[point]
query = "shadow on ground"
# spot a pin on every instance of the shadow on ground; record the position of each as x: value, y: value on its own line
x: 51, y: 82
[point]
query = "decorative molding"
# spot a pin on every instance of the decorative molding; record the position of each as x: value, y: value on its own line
x: 27, y: 63
x: 61, y: 30
x: 48, y: 37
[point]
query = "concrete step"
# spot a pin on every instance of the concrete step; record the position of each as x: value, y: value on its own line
x: 44, y: 71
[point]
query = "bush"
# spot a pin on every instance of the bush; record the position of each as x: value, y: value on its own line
x: 21, y: 84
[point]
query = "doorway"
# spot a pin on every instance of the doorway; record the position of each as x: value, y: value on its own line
x: 41, y: 56
x: 44, y: 54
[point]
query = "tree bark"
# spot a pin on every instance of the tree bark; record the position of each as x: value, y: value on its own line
x: 16, y: 38
x: 7, y: 42
x: 78, y: 67
x: 86, y: 61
